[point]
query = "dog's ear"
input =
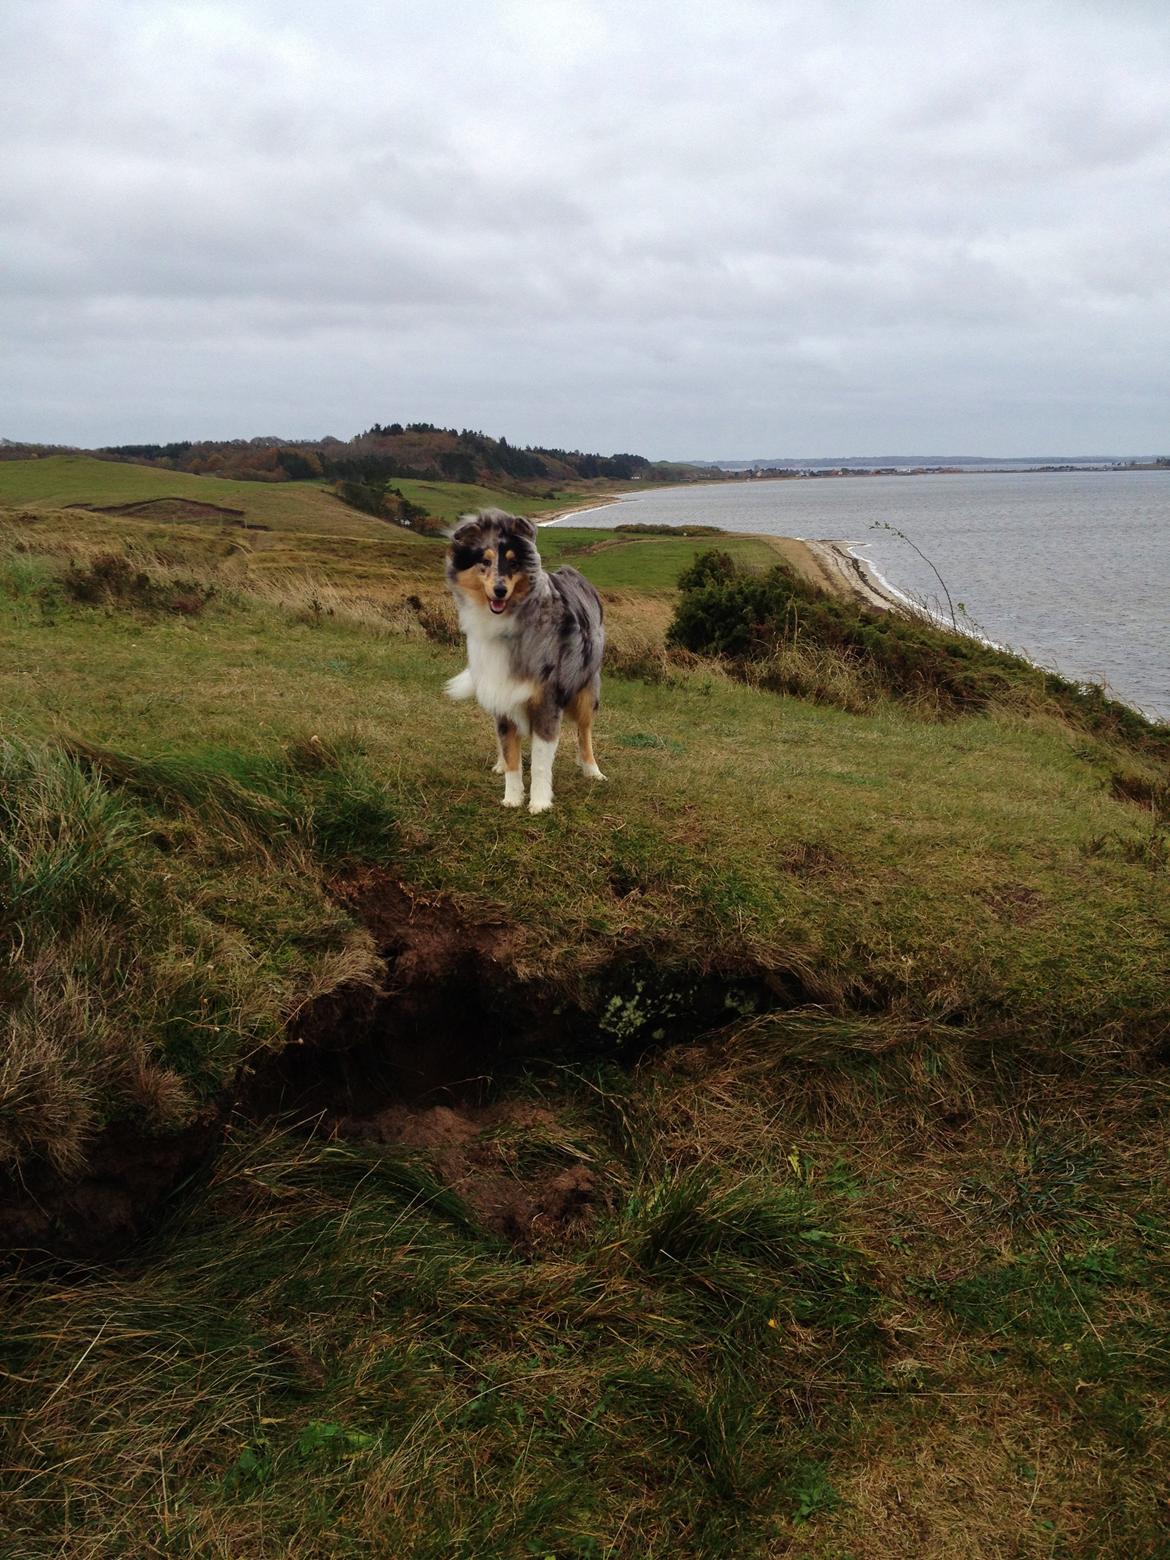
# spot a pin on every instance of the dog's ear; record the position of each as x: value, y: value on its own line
x: 467, y: 530
x: 522, y: 528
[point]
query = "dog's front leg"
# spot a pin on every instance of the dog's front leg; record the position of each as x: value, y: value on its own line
x: 509, y: 736
x: 546, y: 734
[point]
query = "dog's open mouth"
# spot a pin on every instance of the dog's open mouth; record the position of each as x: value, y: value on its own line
x: 498, y: 606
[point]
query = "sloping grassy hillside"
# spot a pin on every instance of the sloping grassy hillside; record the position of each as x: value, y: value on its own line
x: 714, y: 786
x: 61, y: 480
x: 763, y: 1153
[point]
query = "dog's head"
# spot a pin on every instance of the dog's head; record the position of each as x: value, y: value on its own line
x: 492, y: 561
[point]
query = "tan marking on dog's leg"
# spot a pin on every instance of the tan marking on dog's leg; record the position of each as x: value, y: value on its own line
x: 582, y: 710
x: 509, y: 737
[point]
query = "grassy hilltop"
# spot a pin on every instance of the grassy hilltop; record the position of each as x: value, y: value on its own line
x: 288, y: 509
x: 761, y: 1154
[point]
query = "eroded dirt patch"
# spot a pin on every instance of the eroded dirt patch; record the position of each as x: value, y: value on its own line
x: 168, y: 509
x: 505, y: 1160
x: 450, y: 1004
x: 420, y: 1064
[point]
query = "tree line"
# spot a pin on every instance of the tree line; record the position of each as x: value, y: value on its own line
x: 417, y: 450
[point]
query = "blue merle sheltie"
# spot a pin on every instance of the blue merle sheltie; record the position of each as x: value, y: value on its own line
x: 534, y: 647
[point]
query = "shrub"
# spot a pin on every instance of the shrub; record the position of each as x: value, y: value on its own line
x: 758, y: 621
x: 710, y: 568
x: 645, y: 528
x: 373, y: 495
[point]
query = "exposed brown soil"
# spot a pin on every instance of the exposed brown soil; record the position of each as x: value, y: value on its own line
x: 808, y: 858
x: 474, y: 1151
x: 1014, y: 903
x: 167, y: 509
x: 414, y: 1063
x: 445, y: 1012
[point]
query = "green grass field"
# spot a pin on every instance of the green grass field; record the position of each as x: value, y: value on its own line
x: 761, y: 1154
x: 302, y: 525
x: 58, y: 481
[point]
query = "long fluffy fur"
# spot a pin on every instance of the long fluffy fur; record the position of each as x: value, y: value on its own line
x: 532, y: 659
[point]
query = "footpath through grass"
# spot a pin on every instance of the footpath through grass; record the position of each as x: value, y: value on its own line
x: 811, y: 1199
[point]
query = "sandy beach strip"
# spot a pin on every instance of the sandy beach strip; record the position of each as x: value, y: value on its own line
x: 586, y: 507
x: 832, y: 566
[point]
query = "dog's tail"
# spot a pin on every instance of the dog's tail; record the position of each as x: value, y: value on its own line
x: 461, y: 686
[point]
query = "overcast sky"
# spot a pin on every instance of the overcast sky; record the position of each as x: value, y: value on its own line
x: 675, y: 228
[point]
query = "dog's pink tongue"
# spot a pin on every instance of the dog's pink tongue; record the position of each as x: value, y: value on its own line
x: 497, y: 606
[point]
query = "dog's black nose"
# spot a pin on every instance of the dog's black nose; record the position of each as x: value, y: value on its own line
x: 499, y: 591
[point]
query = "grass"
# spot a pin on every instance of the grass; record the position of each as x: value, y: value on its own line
x: 58, y: 481
x: 613, y: 561
x: 327, y: 1360
x: 1031, y: 909
x: 853, y: 1024
x: 932, y: 863
x: 151, y: 958
x: 830, y: 1337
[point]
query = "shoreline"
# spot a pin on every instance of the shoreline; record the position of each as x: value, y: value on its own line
x: 585, y: 508
x: 828, y: 563
x: 839, y: 569
x: 861, y: 580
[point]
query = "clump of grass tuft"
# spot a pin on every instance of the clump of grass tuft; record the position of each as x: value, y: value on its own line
x: 64, y: 841
x: 755, y: 1247
x: 136, y: 980
x: 826, y: 676
x: 319, y: 793
x: 112, y: 580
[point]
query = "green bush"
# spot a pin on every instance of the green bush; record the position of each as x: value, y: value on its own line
x: 710, y: 568
x: 750, y: 619
x: 644, y: 528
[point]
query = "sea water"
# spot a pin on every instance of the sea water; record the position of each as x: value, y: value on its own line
x: 1069, y: 568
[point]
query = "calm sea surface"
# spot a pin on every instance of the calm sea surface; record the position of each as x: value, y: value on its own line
x: 1069, y: 568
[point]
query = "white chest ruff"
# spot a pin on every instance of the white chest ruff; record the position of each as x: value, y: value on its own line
x: 497, y: 689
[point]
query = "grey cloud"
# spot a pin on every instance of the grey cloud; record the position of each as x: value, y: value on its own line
x: 665, y: 227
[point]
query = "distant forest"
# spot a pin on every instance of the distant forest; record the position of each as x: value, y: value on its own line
x: 417, y: 450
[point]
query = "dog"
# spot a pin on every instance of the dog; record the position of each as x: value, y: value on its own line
x: 534, y: 647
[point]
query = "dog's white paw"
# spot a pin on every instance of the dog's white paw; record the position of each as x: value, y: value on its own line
x: 460, y: 686
x: 540, y: 804
x: 591, y: 771
x: 499, y: 767
x: 513, y: 788
x: 512, y: 801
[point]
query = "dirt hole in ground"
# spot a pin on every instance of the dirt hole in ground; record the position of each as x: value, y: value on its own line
x: 415, y: 1066
x: 481, y: 1153
x: 422, y: 1065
